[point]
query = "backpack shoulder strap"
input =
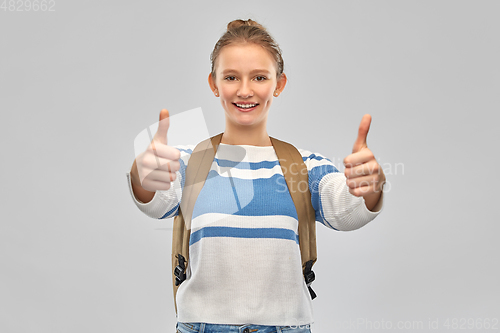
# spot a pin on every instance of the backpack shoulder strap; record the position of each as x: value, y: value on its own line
x: 196, y: 173
x: 296, y: 177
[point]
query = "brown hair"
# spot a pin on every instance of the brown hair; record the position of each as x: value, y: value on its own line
x: 249, y: 31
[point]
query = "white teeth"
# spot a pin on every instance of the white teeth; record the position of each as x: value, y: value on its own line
x: 246, y: 106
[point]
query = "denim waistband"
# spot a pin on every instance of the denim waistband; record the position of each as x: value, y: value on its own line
x: 247, y: 328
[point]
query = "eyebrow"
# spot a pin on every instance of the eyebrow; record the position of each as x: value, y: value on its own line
x: 253, y: 71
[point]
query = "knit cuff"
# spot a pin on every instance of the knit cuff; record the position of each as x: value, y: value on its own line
x: 342, y: 210
x: 156, y: 208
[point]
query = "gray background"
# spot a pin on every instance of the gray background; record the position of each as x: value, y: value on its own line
x: 78, y: 84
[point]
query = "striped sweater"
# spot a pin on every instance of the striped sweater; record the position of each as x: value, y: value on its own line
x: 245, y: 264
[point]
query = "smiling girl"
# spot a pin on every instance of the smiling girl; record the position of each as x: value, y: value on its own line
x: 245, y: 272
x: 246, y: 76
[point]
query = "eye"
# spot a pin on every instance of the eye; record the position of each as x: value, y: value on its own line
x: 263, y: 78
x: 229, y: 78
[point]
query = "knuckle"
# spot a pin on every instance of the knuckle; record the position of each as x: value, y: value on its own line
x: 149, y: 163
x: 148, y: 176
x: 175, y: 165
x: 173, y: 153
x: 164, y: 164
x: 141, y: 156
x: 144, y: 164
x: 152, y: 146
x: 151, y: 151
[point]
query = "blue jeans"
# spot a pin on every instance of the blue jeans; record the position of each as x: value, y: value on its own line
x: 248, y: 328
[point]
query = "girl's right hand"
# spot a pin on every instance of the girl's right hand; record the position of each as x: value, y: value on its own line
x: 157, y: 165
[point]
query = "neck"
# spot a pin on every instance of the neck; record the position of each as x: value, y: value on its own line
x: 256, y: 136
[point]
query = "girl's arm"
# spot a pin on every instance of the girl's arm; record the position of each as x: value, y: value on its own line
x: 161, y: 204
x: 334, y: 205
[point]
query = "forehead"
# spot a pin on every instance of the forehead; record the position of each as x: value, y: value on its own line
x: 245, y: 58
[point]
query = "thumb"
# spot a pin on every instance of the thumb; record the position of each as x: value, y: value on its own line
x: 364, y: 127
x: 163, y: 125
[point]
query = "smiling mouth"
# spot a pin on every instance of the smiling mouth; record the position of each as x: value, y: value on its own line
x: 245, y: 106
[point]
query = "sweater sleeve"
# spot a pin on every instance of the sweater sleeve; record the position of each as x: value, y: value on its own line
x: 165, y: 204
x: 334, y: 205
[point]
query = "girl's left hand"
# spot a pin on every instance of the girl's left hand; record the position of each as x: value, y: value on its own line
x: 364, y: 175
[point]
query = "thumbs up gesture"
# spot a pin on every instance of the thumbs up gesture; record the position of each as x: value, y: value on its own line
x: 155, y: 168
x: 364, y: 175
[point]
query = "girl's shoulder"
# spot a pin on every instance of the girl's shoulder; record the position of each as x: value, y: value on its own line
x: 308, y: 155
x: 316, y: 160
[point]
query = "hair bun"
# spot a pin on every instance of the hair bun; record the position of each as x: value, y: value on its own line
x: 238, y: 23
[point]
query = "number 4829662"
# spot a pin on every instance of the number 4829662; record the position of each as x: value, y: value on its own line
x: 471, y: 323
x: 28, y: 5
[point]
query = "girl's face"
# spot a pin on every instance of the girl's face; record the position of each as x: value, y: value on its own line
x: 246, y: 81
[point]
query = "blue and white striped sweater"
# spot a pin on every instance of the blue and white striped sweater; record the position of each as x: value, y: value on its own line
x: 265, y: 188
x: 245, y: 264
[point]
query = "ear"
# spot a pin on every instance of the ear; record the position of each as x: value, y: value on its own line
x: 280, y: 85
x: 211, y: 82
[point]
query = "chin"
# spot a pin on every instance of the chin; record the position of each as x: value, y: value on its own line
x: 244, y: 122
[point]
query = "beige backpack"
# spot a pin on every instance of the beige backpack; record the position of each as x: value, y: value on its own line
x: 294, y: 171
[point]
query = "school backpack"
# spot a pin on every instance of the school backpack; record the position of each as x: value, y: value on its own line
x: 295, y: 173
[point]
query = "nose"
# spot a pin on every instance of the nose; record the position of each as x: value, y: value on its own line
x: 244, y: 90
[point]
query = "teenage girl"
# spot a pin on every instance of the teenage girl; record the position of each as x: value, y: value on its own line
x: 245, y: 272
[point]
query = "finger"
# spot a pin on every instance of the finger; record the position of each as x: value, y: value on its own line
x: 146, y: 174
x: 361, y: 191
x: 157, y: 175
x: 364, y: 127
x: 161, y: 176
x: 363, y: 156
x: 164, y: 151
x: 363, y: 181
x: 153, y: 186
x: 155, y: 163
x: 362, y: 170
x: 163, y: 125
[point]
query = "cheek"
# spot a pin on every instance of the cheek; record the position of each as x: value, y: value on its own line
x: 226, y: 92
x: 269, y: 97
x: 266, y: 94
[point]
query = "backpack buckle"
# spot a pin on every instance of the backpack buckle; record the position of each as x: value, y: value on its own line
x: 309, y: 276
x: 179, y: 273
